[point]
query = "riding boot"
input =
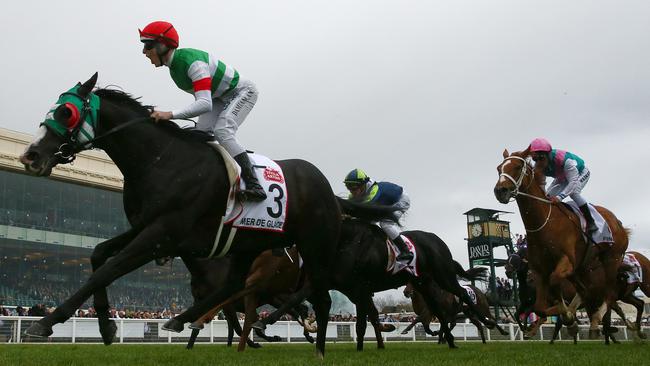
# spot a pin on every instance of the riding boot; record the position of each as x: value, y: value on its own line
x: 405, y: 254
x: 591, y: 225
x: 253, y: 191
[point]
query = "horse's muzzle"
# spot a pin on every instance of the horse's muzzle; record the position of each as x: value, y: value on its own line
x: 502, y: 194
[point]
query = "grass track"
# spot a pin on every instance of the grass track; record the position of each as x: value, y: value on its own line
x: 411, y: 354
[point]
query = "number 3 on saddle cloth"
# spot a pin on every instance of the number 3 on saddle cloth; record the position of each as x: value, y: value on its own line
x: 267, y: 215
x: 603, y: 234
x: 393, y: 266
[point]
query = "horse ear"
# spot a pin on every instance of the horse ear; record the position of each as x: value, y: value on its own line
x: 526, y: 152
x: 505, y: 153
x: 88, y: 86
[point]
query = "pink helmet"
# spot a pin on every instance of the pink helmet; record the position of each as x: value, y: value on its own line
x: 540, y: 144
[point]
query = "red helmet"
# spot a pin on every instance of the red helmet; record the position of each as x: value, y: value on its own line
x: 159, y: 31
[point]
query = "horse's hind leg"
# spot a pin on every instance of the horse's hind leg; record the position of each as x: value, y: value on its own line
x: 250, y: 306
x: 101, y: 253
x: 361, y: 324
x: 425, y: 288
x: 373, y: 316
x: 478, y: 326
x: 234, y: 326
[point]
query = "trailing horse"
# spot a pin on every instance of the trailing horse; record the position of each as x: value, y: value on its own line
x: 450, y: 307
x: 175, y: 196
x: 557, y: 246
x: 361, y: 270
x: 270, y: 280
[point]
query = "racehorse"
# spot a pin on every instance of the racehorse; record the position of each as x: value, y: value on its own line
x: 557, y: 246
x: 361, y: 270
x: 451, y: 308
x: 270, y: 280
x: 517, y: 264
x: 175, y: 194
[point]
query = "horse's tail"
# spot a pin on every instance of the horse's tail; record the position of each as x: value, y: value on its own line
x: 367, y: 211
x: 472, y: 274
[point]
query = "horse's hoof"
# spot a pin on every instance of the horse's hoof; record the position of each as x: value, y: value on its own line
x: 388, y: 328
x: 310, y: 339
x: 173, y: 325
x: 108, y: 330
x: 255, y: 345
x: 573, y: 329
x: 38, y: 330
x: 195, y: 325
x: 642, y: 335
x: 259, y: 325
x: 404, y: 331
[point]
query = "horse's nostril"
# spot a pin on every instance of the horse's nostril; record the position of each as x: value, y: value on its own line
x: 31, y: 155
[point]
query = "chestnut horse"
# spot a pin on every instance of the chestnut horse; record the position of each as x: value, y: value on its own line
x: 557, y: 246
x: 271, y: 278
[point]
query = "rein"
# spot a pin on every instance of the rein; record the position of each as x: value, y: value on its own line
x: 68, y: 150
x: 517, y: 192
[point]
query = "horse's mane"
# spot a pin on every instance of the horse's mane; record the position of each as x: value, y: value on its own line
x: 125, y: 99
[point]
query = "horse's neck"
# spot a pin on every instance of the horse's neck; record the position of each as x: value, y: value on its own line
x: 533, y: 212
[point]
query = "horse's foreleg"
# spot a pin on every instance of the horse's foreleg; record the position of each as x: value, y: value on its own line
x: 294, y: 300
x: 137, y: 253
x: 101, y: 253
x: 234, y: 282
x: 410, y: 326
x: 638, y: 304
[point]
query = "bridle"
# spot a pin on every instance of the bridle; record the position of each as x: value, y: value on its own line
x: 517, y: 182
x: 71, y: 146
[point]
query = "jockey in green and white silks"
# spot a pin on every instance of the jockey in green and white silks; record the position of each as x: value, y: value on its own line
x: 222, y: 100
x: 363, y: 189
x: 569, y: 172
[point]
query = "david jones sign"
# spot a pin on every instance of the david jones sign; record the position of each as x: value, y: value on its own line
x: 479, y: 251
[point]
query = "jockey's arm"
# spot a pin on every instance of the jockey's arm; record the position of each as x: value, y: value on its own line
x: 572, y: 178
x: 199, y: 72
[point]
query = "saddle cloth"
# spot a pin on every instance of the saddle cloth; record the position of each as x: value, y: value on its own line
x: 603, y: 234
x: 635, y: 273
x: 393, y: 266
x: 471, y: 293
x: 267, y: 215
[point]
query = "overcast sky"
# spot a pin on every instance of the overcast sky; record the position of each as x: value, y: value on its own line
x: 426, y: 94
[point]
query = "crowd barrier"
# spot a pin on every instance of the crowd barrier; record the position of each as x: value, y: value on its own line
x: 86, y: 330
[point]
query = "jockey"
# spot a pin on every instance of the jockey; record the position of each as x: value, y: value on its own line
x: 363, y: 189
x: 570, y: 173
x: 221, y: 99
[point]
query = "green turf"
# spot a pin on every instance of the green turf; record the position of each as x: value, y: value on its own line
x: 496, y: 353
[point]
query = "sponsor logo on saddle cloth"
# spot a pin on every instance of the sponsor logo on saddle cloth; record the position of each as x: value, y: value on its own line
x: 393, y: 266
x: 267, y: 215
x: 634, y: 273
x: 603, y: 234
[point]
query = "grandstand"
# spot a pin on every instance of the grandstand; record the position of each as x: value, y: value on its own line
x: 49, y: 227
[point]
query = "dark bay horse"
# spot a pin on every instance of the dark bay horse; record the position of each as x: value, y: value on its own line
x: 360, y: 271
x: 175, y: 194
x: 557, y: 246
x: 451, y: 307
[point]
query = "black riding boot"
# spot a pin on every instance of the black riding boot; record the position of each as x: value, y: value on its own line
x: 591, y: 225
x: 253, y: 191
x: 405, y: 254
